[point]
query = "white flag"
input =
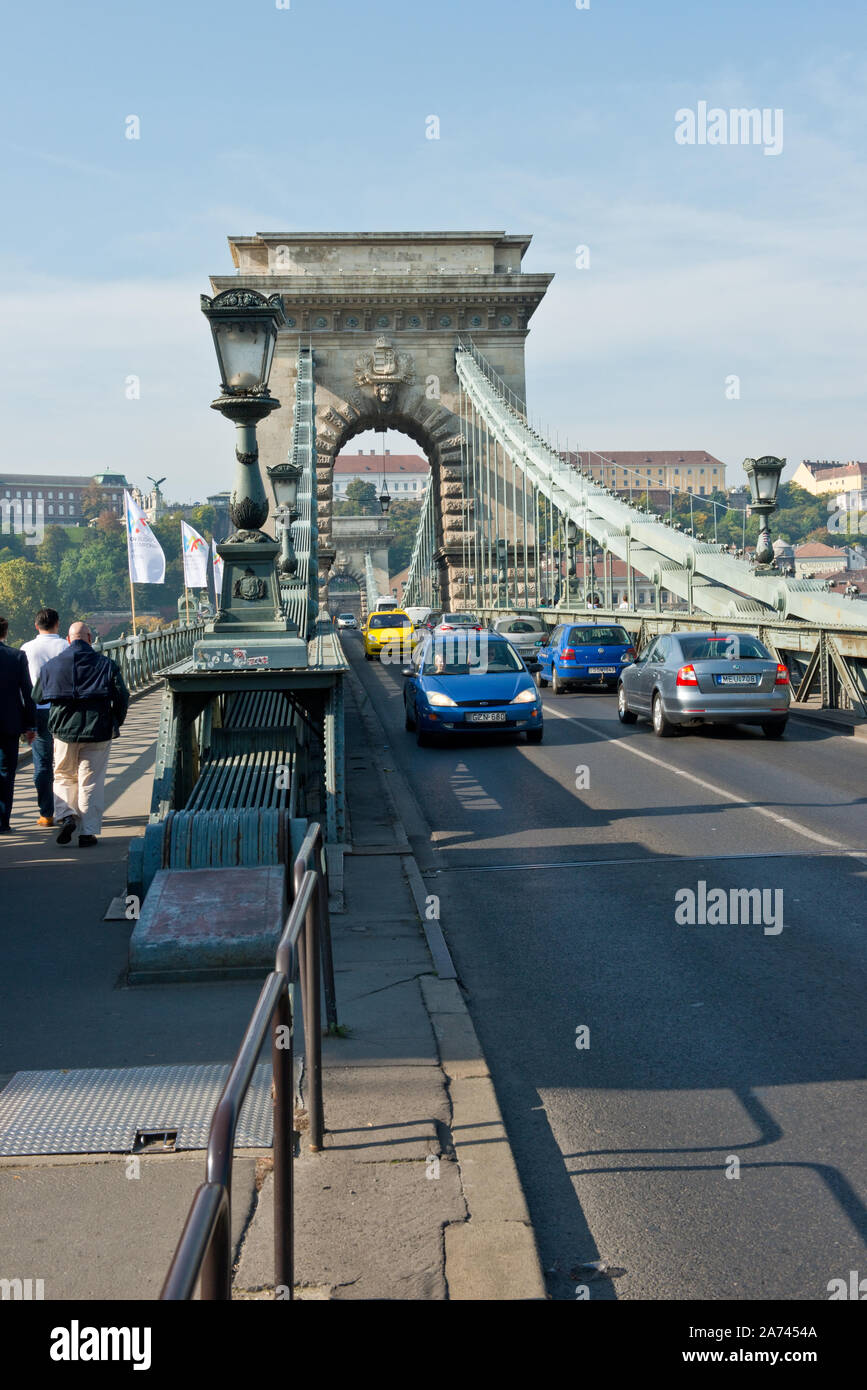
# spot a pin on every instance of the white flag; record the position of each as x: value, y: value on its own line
x: 218, y: 573
x: 195, y: 549
x: 147, y: 562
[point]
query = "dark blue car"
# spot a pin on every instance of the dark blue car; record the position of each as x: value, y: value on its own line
x: 470, y: 683
x: 587, y: 653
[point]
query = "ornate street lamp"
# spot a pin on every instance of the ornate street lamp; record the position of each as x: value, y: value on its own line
x: 285, y: 478
x: 251, y: 627
x: 763, y: 475
x: 571, y: 538
x: 384, y: 498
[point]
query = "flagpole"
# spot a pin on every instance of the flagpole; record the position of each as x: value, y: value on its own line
x: 132, y: 603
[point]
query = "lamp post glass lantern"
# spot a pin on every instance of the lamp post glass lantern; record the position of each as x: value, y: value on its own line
x: 244, y: 326
x: 763, y: 475
x: 384, y: 498
x: 252, y: 628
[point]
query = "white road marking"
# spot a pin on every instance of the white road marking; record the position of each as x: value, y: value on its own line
x: 627, y: 747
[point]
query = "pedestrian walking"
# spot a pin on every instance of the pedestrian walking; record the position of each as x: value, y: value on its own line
x: 88, y: 700
x: 41, y: 648
x: 17, y: 717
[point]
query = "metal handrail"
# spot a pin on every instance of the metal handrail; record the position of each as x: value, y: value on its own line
x: 144, y: 657
x: 205, y: 1245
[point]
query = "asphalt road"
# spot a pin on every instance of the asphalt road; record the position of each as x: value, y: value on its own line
x: 708, y: 1140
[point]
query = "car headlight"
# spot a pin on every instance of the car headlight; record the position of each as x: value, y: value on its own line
x: 436, y: 697
x: 524, y: 697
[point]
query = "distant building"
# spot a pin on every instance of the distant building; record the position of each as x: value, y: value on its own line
x: 61, y: 495
x: 688, y: 470
x: 405, y: 474
x: 830, y: 476
x: 817, y: 560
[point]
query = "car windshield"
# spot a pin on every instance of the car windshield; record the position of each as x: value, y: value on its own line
x: 344, y: 616
x: 733, y: 646
x: 390, y: 620
x: 521, y: 625
x: 460, y: 620
x: 468, y: 658
x: 598, y: 637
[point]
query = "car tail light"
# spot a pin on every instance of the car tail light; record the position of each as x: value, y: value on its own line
x: 567, y: 654
x: 630, y: 652
x: 446, y: 627
x: 782, y: 677
x: 686, y: 676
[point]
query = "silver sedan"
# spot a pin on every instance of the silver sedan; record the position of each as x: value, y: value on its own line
x: 705, y: 677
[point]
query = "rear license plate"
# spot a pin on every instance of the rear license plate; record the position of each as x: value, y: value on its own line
x: 494, y: 718
x: 737, y: 680
x: 601, y: 670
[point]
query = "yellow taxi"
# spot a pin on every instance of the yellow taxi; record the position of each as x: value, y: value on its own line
x: 389, y: 634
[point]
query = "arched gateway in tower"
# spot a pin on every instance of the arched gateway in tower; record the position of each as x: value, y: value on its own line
x: 383, y: 311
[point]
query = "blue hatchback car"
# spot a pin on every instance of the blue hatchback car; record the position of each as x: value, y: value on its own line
x: 584, y: 654
x: 470, y: 683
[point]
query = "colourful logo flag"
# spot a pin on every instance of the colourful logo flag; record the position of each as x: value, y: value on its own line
x: 147, y: 562
x: 218, y: 573
x: 195, y: 558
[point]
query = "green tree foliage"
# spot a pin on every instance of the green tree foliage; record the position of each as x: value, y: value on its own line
x: 360, y: 500
x: 53, y: 547
x: 25, y: 587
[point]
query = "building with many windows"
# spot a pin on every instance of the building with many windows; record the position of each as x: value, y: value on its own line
x: 61, y: 496
x: 405, y: 474
x: 688, y: 470
x: 829, y: 476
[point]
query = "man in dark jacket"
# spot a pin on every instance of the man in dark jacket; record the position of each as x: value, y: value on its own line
x: 17, y: 717
x: 88, y: 705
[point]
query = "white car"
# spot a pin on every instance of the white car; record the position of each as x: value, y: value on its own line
x: 346, y: 620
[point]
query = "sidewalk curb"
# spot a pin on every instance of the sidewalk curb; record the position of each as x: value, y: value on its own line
x: 827, y: 721
x: 492, y: 1256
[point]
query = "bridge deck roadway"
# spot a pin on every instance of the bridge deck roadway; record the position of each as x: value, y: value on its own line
x: 707, y: 1043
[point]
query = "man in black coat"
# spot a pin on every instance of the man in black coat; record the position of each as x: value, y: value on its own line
x: 17, y: 717
x: 88, y: 700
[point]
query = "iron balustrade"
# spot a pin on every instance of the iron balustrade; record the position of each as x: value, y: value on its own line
x: 143, y: 658
x: 205, y: 1246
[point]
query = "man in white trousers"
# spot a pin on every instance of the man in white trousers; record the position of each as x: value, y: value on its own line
x: 88, y: 700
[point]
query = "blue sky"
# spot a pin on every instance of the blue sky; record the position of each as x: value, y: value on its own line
x: 705, y: 261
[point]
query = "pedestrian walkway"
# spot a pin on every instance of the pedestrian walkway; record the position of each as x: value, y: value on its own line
x: 415, y: 1195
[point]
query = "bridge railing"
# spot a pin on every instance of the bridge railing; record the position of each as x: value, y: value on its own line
x: 205, y: 1246
x: 825, y: 664
x: 144, y: 657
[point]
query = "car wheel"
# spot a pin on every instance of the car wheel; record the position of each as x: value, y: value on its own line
x: 541, y: 683
x: 661, y: 726
x: 774, y: 728
x: 535, y: 735
x: 409, y: 722
x: 624, y: 713
x: 367, y: 656
x: 557, y: 686
x: 422, y: 739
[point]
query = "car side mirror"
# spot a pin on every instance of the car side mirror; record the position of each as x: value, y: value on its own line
x: 408, y: 671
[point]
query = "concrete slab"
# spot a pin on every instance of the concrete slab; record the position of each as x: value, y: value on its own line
x: 492, y: 1261
x: 364, y: 1231
x: 490, y: 1178
x: 459, y: 1048
x: 95, y: 1230
x: 376, y: 1123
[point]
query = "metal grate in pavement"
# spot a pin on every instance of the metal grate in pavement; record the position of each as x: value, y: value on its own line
x: 80, y: 1112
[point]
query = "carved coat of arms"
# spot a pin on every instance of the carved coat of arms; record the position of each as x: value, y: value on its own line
x: 384, y: 370
x: 249, y: 587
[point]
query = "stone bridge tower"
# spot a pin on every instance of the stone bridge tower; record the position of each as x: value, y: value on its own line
x: 383, y: 311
